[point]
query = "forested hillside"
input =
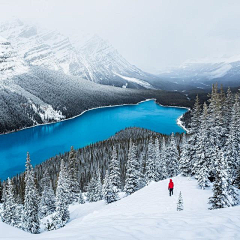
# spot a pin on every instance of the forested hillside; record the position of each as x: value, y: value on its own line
x: 42, y: 96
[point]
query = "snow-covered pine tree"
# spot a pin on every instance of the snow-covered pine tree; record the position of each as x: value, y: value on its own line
x: 217, y: 132
x: 232, y: 147
x: 3, y: 200
x: 224, y: 194
x: 62, y: 214
x: 73, y: 178
x: 163, y: 155
x: 150, y: 163
x: 30, y: 219
x: 202, y: 163
x: 195, y: 119
x: 10, y: 209
x: 227, y: 109
x: 142, y: 180
x: 94, y: 188
x: 172, y: 157
x: 81, y: 199
x: 91, y: 191
x: 99, y: 185
x: 184, y: 161
x: 110, y: 193
x: 132, y: 170
x: 237, y: 179
x: 180, y: 202
x: 158, y: 161
x: 114, y: 170
x: 190, y: 146
x: 47, y: 204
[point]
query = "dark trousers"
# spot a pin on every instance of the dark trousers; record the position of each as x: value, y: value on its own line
x: 170, y: 191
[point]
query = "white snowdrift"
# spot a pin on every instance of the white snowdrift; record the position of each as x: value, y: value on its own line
x: 147, y: 214
x: 135, y: 80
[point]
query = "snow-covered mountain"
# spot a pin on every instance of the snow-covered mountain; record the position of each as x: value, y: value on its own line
x: 203, y: 74
x: 41, y: 95
x: 10, y: 63
x: 87, y: 56
x: 146, y: 214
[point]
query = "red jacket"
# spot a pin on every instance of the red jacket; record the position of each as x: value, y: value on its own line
x: 171, y: 184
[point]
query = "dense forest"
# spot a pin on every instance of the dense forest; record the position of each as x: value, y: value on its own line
x: 128, y: 161
x: 27, y: 97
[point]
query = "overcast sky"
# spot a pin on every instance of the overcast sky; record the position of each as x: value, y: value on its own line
x: 152, y: 34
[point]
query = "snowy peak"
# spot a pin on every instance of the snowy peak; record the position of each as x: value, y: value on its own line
x: 40, y: 47
x: 87, y: 56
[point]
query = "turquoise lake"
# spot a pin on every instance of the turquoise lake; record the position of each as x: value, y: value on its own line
x: 45, y: 141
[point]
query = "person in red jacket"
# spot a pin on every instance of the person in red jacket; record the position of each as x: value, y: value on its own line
x: 170, y: 187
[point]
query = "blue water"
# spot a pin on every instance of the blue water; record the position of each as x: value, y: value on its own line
x: 46, y: 141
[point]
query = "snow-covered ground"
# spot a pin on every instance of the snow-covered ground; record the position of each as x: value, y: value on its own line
x: 147, y: 214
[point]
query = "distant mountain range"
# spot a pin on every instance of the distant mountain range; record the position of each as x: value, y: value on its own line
x: 92, y: 58
x: 202, y: 75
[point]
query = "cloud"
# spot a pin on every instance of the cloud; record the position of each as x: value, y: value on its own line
x: 151, y: 34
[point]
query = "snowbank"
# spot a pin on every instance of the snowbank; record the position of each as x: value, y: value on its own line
x: 147, y: 214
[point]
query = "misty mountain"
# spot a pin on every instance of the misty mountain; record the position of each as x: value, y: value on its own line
x: 202, y: 75
x: 87, y: 56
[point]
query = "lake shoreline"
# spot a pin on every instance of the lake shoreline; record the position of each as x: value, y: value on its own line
x: 179, y: 122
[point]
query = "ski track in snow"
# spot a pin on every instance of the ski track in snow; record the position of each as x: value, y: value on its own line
x: 148, y: 214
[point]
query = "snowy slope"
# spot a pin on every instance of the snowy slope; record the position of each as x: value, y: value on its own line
x: 10, y: 63
x: 147, y: 214
x: 87, y: 56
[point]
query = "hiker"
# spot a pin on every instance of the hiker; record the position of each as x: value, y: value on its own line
x: 170, y: 187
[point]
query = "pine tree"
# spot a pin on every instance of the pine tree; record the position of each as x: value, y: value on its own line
x: 114, y: 168
x: 232, y: 147
x: 227, y: 110
x: 217, y: 132
x: 94, y: 188
x: 62, y: 200
x: 196, y: 113
x: 99, y: 185
x: 158, y: 161
x: 172, y: 158
x: 203, y: 163
x: 10, y: 209
x: 142, y: 180
x: 150, y: 164
x: 110, y: 193
x: 184, y: 162
x: 30, y: 220
x: 224, y: 194
x: 4, y: 194
x: 73, y: 178
x: 132, y: 171
x: 81, y: 199
x: 190, y: 156
x: 237, y: 179
x: 163, y: 155
x: 180, y: 202
x: 48, y: 200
